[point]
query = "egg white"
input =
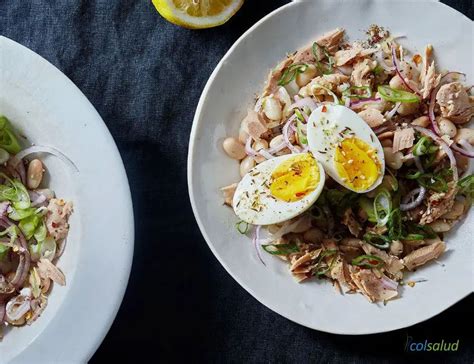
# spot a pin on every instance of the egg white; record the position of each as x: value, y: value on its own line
x: 271, y: 210
x: 326, y: 129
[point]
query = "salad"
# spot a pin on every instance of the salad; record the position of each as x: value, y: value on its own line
x: 33, y: 229
x: 355, y: 162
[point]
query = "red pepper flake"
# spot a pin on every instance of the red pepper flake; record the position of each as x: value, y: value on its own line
x: 324, y: 109
x: 54, y: 225
x: 299, y: 194
x: 417, y: 59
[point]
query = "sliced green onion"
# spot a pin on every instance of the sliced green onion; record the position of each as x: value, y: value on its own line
x: 379, y: 241
x: 299, y: 130
x: 395, y: 228
x: 280, y: 249
x: 413, y: 175
x: 28, y: 225
x: 18, y: 215
x: 419, y: 232
x: 3, y: 251
x: 413, y: 237
x: 389, y: 94
x: 433, y: 182
x: 368, y: 261
x: 366, y: 95
x: 318, y: 270
x: 242, y: 227
x: 40, y: 232
x: 291, y: 72
x: 319, y: 65
x: 424, y: 146
x: 389, y: 181
x: 466, y: 186
x: 334, y: 96
x: 15, y: 192
x: 8, y: 139
x: 12, y: 232
x: 382, y: 207
x: 367, y: 205
x: 378, y: 70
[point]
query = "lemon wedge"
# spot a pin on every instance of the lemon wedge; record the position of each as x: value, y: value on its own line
x: 197, y: 14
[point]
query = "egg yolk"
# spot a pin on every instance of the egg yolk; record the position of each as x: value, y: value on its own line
x: 295, y: 178
x: 357, y: 164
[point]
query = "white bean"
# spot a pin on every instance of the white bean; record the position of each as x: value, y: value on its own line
x: 422, y: 121
x: 396, y: 247
x: 304, y: 78
x: 397, y: 83
x: 246, y: 165
x: 4, y: 156
x: 408, y: 108
x: 234, y: 148
x: 276, y: 141
x: 440, y: 226
x: 447, y: 127
x: 456, y: 211
x: 257, y: 146
x: 465, y: 134
x: 34, y: 175
x: 272, y: 108
x: 393, y: 160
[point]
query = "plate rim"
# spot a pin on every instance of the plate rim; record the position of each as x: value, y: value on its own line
x: 190, y: 174
x: 105, y: 324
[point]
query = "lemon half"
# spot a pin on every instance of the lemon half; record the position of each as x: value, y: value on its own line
x: 197, y: 14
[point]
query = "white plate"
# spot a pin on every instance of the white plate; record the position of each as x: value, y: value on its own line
x: 46, y: 107
x: 223, y: 103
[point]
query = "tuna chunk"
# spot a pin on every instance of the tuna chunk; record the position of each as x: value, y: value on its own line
x: 57, y: 218
x: 455, y: 103
x: 403, y: 138
x: 271, y: 87
x: 254, y: 124
x: 362, y: 71
x: 372, y: 117
x: 423, y: 255
x: 331, y: 39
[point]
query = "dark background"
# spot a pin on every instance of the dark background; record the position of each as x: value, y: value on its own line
x: 144, y: 76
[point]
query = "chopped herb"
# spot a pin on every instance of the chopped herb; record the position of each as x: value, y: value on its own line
x: 389, y: 94
x: 280, y: 249
x: 368, y: 261
x: 291, y: 72
x: 379, y: 241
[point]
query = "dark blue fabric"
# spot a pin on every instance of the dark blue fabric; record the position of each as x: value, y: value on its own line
x: 144, y: 76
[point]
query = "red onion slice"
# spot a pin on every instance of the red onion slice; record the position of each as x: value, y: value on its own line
x: 17, y: 307
x: 307, y: 101
x: 286, y: 135
x: 465, y: 149
x: 392, y: 112
x: 389, y: 283
x: 397, y: 69
x: 418, y: 163
x: 420, y: 191
x: 362, y: 102
x: 382, y: 63
x: 15, y: 160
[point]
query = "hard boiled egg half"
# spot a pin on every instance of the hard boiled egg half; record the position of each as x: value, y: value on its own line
x: 279, y: 189
x: 347, y: 147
